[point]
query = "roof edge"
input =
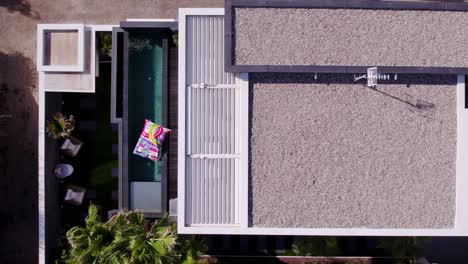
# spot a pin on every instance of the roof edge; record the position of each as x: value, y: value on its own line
x: 351, y: 4
x: 344, y: 69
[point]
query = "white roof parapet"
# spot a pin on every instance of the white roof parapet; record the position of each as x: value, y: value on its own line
x: 44, y: 47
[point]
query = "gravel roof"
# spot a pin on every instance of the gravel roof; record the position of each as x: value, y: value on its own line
x: 349, y: 37
x: 333, y: 153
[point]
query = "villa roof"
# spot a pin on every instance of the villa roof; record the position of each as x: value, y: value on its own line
x: 318, y: 154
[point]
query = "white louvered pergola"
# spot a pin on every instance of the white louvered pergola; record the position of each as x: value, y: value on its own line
x: 213, y: 126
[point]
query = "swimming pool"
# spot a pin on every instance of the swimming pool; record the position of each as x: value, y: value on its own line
x: 145, y: 71
x: 144, y: 97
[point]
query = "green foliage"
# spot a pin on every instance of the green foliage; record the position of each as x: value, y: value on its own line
x: 190, y: 248
x: 128, y: 238
x: 103, y: 182
x: 59, y: 126
x: 86, y: 242
x: 404, y: 249
x: 106, y: 44
x: 315, y: 246
x: 175, y: 39
x: 102, y: 175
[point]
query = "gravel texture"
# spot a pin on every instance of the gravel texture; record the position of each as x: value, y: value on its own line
x: 333, y: 153
x: 349, y: 37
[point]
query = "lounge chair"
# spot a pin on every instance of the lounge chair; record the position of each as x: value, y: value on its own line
x: 75, y: 195
x: 71, y: 146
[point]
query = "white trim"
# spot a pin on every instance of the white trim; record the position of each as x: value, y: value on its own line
x: 182, y: 124
x: 319, y: 231
x: 244, y: 150
x: 41, y: 29
x: 461, y: 215
x: 41, y: 170
x: 183, y: 12
x: 60, y: 68
x: 151, y: 20
x: 102, y: 27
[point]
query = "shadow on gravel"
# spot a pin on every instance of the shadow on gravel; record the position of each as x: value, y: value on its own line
x: 18, y: 159
x: 21, y: 6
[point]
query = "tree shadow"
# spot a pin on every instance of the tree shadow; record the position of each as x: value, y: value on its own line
x: 18, y: 159
x: 21, y: 6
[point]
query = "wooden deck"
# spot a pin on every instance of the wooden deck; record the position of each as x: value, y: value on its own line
x: 173, y: 123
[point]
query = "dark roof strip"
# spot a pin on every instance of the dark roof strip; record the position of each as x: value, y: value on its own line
x: 148, y: 24
x: 345, y: 69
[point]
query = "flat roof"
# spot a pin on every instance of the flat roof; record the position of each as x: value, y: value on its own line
x: 332, y: 37
x: 333, y: 153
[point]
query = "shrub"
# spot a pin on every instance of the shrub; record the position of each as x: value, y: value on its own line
x: 60, y: 126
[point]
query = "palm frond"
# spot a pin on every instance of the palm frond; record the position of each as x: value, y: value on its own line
x: 128, y: 238
x: 93, y: 216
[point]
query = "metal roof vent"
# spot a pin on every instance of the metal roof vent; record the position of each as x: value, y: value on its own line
x: 373, y: 76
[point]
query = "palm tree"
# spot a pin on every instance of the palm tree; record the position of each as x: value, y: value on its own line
x: 128, y: 238
x: 87, y: 242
